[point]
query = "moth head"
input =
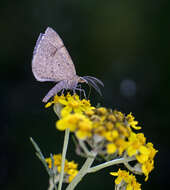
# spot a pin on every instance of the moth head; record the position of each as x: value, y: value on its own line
x: 82, y: 80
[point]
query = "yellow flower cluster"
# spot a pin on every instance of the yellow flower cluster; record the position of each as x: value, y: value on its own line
x: 126, y: 180
x: 70, y: 168
x: 109, y: 132
x: 111, y: 128
x: 71, y: 104
x: 143, y: 152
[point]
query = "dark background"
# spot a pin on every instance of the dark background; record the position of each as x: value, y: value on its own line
x: 124, y: 43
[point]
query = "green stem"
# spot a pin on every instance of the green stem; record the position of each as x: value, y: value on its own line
x: 55, y: 187
x: 53, y: 177
x: 82, y: 172
x: 110, y: 163
x: 66, y: 139
x: 40, y: 156
x: 83, y: 146
x: 53, y: 182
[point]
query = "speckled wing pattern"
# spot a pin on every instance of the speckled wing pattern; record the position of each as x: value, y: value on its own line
x: 51, y: 61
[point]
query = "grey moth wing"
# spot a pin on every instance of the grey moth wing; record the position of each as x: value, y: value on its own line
x: 51, y: 60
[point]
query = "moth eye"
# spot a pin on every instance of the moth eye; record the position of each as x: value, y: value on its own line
x: 67, y: 63
x: 59, y: 64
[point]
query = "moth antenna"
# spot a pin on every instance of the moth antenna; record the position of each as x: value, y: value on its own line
x: 89, y: 91
x: 79, y: 87
x: 88, y: 85
x: 96, y: 80
x: 93, y: 84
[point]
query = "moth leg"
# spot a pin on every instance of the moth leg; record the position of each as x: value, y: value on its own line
x: 62, y: 92
x: 81, y: 90
x: 59, y: 86
x: 79, y: 87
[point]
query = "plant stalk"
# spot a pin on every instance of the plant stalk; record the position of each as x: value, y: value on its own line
x: 66, y: 139
x: 110, y: 163
x: 83, y: 171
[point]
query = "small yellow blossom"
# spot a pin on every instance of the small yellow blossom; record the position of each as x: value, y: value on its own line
x: 89, y: 112
x: 129, y: 180
x: 121, y: 145
x: 152, y: 151
x: 102, y: 110
x: 111, y: 135
x: 135, y: 142
x: 119, y: 115
x: 57, y: 160
x: 111, y: 148
x: 70, y: 168
x: 84, y: 129
x: 112, y: 118
x: 69, y: 122
x: 131, y: 121
x: 48, y: 104
x: 72, y: 104
x: 56, y: 99
x: 143, y: 154
x: 72, y: 175
x: 76, y: 122
x: 125, y: 131
x: 148, y: 162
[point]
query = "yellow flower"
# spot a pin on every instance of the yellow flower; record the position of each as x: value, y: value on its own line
x: 111, y: 135
x: 77, y: 123
x: 119, y: 115
x: 70, y: 165
x: 124, y: 178
x: 49, y: 162
x: 151, y: 150
x: 70, y: 168
x: 143, y: 154
x: 72, y: 175
x: 84, y: 129
x: 99, y: 129
x: 109, y: 125
x: 57, y: 160
x: 102, y: 110
x: 70, y: 121
x: 57, y: 99
x: 131, y: 121
x: 49, y: 104
x: 112, y: 118
x: 121, y: 145
x: 147, y: 167
x: 89, y: 112
x: 123, y: 130
x: 111, y: 148
x: 148, y: 162
x: 135, y: 142
x: 72, y: 104
x: 122, y: 175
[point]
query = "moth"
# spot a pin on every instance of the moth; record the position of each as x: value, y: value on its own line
x: 52, y: 62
